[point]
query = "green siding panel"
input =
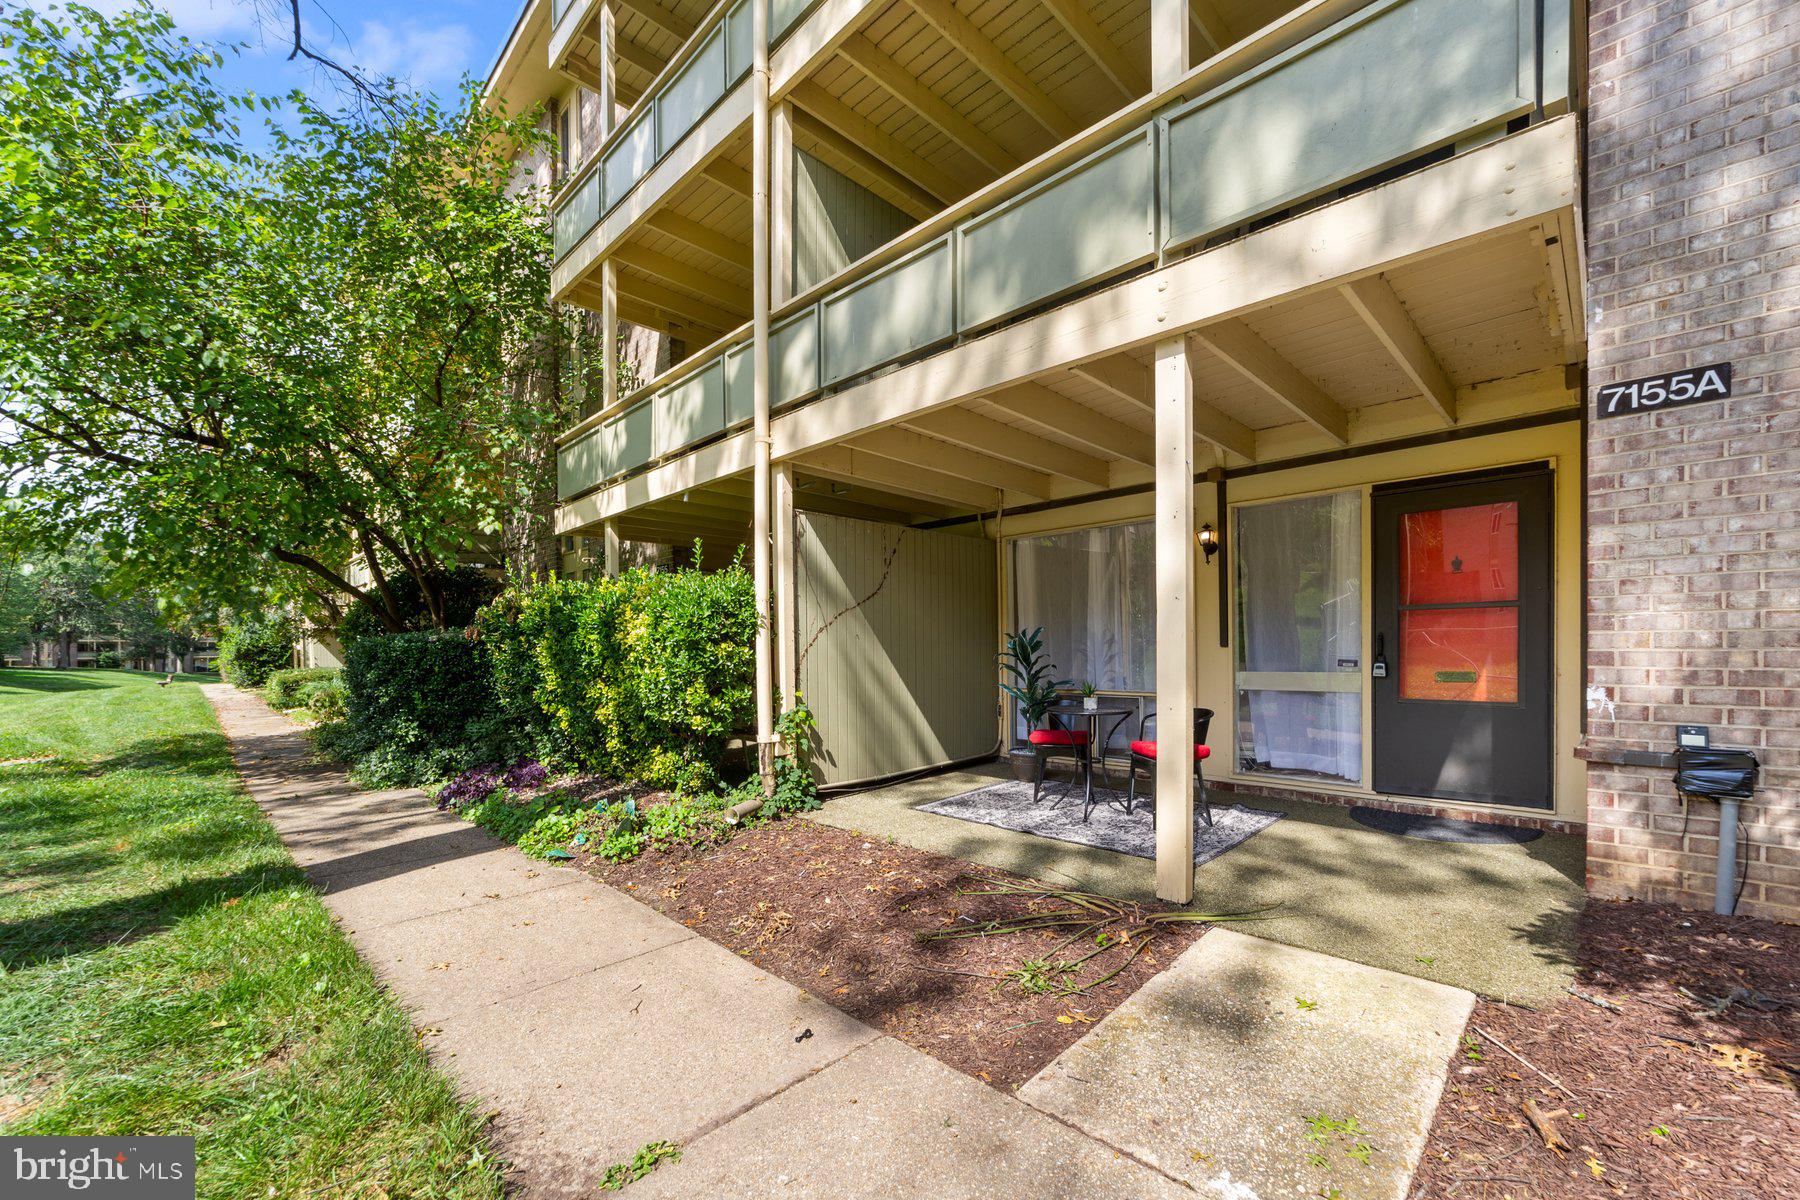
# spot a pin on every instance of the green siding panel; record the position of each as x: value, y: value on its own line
x: 581, y: 464
x: 631, y: 157
x: 836, y: 221
x: 889, y: 314
x: 629, y: 435
x: 903, y: 678
x: 1390, y: 82
x: 1096, y: 218
x: 738, y: 46
x: 740, y: 384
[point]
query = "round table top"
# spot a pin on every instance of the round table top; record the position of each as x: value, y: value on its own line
x: 1103, y: 710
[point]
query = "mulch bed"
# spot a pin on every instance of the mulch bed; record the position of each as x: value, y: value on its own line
x: 837, y: 913
x: 1676, y: 1101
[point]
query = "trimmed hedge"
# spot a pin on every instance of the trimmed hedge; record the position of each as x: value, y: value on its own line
x: 289, y: 688
x: 418, y: 707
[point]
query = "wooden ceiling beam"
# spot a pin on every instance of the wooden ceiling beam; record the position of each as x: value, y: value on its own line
x: 959, y: 31
x: 1257, y: 361
x: 1051, y: 409
x: 865, y: 133
x: 663, y: 18
x: 707, y: 241
x: 674, y: 324
x: 1374, y: 300
x: 1210, y: 26
x: 888, y: 74
x: 672, y: 270
x: 728, y: 175
x: 848, y: 464
x: 817, y: 495
x: 868, y: 168
x: 632, y: 54
x: 662, y: 296
x: 1129, y: 379
x: 1015, y: 445
x: 915, y: 449
x: 1113, y: 62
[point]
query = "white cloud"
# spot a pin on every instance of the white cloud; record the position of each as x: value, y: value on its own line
x: 197, y: 18
x: 415, y: 52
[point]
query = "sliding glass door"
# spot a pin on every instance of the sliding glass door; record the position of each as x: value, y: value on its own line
x: 1299, y: 637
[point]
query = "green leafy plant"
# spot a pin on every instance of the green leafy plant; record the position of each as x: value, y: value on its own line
x: 254, y: 646
x: 646, y: 1160
x: 1031, y: 674
x: 1040, y: 976
x: 288, y: 688
x: 1088, y: 690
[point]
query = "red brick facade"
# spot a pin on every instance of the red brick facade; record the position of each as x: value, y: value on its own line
x: 1693, y: 612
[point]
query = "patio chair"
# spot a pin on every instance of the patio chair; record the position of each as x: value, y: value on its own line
x: 1143, y: 750
x: 1051, y: 740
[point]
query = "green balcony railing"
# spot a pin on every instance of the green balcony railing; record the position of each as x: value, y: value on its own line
x: 1385, y: 84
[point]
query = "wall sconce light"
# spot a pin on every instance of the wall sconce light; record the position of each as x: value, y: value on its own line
x: 1208, y: 538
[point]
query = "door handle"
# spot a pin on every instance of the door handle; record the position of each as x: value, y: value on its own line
x: 1378, y: 668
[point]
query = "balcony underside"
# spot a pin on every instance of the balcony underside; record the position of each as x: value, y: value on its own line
x: 1296, y: 348
x: 920, y: 103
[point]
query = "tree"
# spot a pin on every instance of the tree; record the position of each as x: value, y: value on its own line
x: 68, y: 601
x: 241, y: 372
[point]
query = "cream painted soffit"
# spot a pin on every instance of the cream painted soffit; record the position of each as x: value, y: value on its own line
x: 521, y: 62
x: 1501, y: 187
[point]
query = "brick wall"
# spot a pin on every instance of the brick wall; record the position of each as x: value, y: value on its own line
x: 1693, y: 228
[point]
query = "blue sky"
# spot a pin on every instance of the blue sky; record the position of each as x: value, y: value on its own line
x: 430, y: 43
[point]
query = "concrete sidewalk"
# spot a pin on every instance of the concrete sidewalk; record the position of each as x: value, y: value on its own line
x: 592, y: 1025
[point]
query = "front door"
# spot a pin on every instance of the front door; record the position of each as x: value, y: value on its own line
x: 1462, y: 679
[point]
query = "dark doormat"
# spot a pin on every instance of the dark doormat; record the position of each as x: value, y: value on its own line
x: 1442, y: 829
x: 1058, y: 815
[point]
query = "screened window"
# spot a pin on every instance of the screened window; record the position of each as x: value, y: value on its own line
x: 1299, y: 643
x: 1094, y: 593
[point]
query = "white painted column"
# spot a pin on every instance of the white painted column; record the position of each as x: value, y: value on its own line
x: 787, y: 614
x: 1170, y: 42
x: 759, y: 318
x: 781, y: 202
x: 612, y: 549
x: 606, y: 34
x: 609, y: 335
x: 1175, y: 638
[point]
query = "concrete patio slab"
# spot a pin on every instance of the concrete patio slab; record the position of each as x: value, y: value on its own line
x: 1240, y: 1068
x: 1498, y: 920
x: 492, y: 951
x: 663, y: 1046
x: 887, y: 1121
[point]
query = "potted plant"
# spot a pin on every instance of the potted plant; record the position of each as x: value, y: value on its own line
x: 1090, y: 695
x: 1032, y: 685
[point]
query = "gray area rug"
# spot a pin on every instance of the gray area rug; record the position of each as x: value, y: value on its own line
x: 1008, y: 805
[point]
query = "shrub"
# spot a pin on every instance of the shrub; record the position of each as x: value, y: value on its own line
x: 108, y: 660
x: 417, y: 708
x: 288, y: 688
x: 255, y: 646
x: 470, y: 787
x: 642, y: 677
x: 464, y: 589
x: 325, y: 699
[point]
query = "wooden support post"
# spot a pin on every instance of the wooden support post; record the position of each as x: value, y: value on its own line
x: 609, y: 335
x: 1174, y: 621
x: 781, y: 202
x: 1171, y: 39
x: 787, y: 596
x: 606, y: 34
x: 759, y: 318
x: 612, y: 549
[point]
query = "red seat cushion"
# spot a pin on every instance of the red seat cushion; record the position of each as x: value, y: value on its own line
x: 1059, y: 737
x: 1148, y: 750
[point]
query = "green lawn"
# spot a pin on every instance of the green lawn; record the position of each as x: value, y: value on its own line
x: 164, y: 968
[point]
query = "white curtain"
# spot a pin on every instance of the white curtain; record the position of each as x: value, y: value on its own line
x: 1094, y: 593
x: 1299, y: 593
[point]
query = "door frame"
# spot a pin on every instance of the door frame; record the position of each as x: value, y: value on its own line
x: 1380, y: 591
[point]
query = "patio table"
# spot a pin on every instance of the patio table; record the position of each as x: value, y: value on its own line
x: 1096, y: 744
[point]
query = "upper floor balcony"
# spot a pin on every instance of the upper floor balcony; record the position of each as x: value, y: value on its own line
x: 1329, y: 100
